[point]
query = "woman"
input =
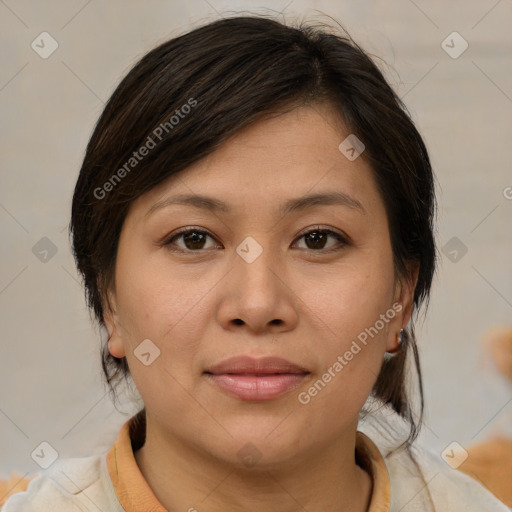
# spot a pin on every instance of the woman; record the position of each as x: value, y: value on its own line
x: 253, y: 221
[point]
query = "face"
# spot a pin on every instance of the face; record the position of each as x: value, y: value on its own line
x: 259, y: 272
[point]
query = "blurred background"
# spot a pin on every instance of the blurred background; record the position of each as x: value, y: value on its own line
x: 451, y: 63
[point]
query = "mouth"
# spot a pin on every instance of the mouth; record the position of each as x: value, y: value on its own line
x: 254, y: 379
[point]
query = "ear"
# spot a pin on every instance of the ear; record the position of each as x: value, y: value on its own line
x: 111, y: 319
x: 404, y: 296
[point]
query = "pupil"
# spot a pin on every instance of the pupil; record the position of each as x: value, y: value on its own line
x: 318, y: 240
x: 194, y: 238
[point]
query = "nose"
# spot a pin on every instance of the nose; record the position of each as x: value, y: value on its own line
x: 258, y: 296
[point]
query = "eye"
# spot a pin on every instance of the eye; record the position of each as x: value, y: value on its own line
x: 316, y: 239
x: 193, y: 239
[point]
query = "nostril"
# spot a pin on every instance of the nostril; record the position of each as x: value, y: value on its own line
x: 276, y: 321
x: 238, y: 321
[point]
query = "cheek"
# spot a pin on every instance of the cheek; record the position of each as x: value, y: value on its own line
x: 351, y: 346
x: 160, y: 303
x: 157, y: 304
x: 352, y: 314
x: 350, y: 299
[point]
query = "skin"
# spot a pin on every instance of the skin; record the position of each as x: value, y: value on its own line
x: 188, y: 303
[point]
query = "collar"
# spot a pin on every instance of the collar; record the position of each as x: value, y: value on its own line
x: 135, y: 495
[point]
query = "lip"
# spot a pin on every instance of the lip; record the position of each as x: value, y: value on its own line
x: 254, y: 365
x: 256, y: 379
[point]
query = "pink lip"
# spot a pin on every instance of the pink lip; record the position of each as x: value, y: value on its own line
x: 256, y: 379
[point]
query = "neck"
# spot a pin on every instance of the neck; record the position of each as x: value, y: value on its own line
x: 182, y: 478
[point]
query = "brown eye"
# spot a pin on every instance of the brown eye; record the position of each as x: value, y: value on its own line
x: 191, y: 240
x: 194, y: 240
x: 317, y: 240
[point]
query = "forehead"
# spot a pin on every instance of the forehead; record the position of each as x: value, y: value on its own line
x: 283, y: 156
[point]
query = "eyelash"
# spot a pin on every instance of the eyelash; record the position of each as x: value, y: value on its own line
x: 343, y: 240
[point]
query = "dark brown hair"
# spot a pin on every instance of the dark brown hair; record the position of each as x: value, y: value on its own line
x: 230, y: 73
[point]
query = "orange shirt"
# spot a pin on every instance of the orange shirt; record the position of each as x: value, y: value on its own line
x: 135, y: 495
x: 113, y: 480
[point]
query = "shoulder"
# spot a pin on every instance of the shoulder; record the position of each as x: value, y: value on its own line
x: 73, y: 484
x: 420, y: 477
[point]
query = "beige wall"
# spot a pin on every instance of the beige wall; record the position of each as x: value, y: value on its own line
x: 51, y: 388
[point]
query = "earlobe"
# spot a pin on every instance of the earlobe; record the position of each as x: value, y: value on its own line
x: 395, y: 345
x: 115, y: 347
x: 407, y: 292
x: 405, y: 298
x: 115, y: 344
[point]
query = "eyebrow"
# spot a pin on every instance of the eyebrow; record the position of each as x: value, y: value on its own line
x: 292, y: 205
